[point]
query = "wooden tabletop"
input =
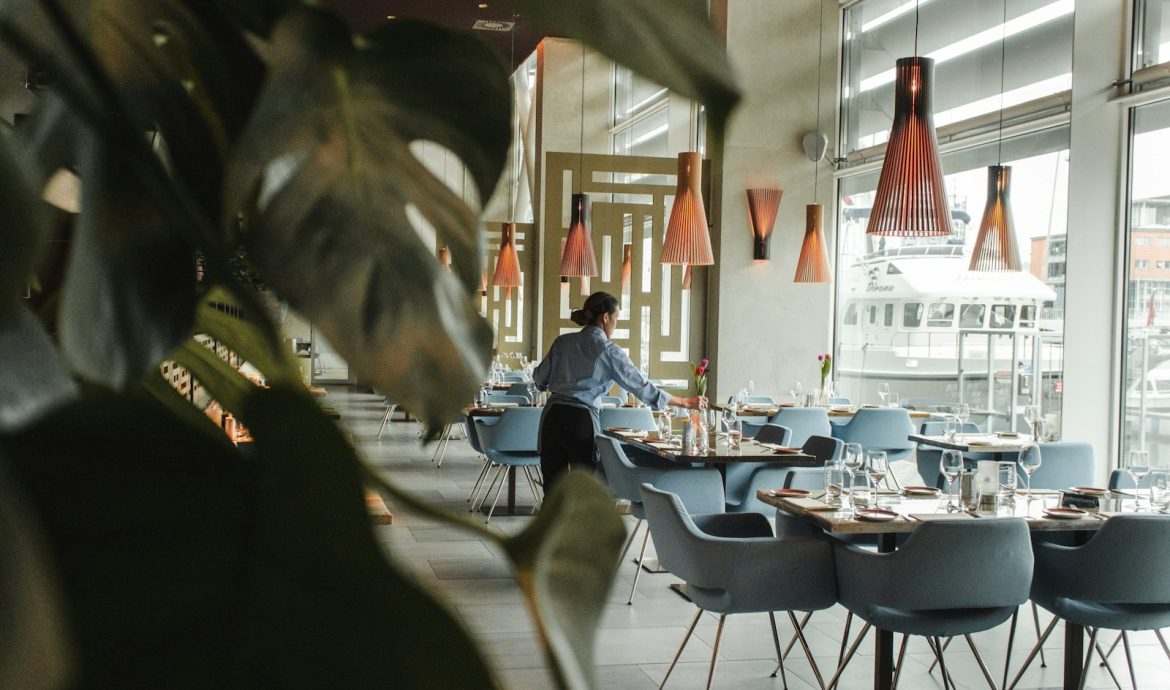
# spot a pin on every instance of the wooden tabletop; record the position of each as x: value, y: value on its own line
x: 913, y: 511
x: 832, y: 411
x: 749, y: 452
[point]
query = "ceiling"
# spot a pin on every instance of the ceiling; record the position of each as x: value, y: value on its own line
x: 365, y: 15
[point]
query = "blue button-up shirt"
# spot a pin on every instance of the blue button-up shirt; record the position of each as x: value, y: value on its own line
x: 584, y: 365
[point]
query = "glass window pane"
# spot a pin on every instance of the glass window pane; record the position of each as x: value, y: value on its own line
x: 966, y: 40
x: 912, y: 315
x: 1146, y: 418
x: 1153, y: 33
x: 634, y: 94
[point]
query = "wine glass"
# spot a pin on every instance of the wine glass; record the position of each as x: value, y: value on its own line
x: 750, y: 387
x: 962, y: 413
x: 797, y: 391
x: 1031, y: 416
x: 665, y: 430
x: 883, y: 392
x: 877, y: 466
x: 728, y: 417
x: 951, y: 465
x: 853, y: 459
x: 1029, y: 462
x: 1138, y: 468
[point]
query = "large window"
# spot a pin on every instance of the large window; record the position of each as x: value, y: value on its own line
x: 1152, y: 33
x: 992, y: 340
x: 1146, y: 396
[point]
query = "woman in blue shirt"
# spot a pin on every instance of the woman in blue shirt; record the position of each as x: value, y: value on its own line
x: 578, y: 369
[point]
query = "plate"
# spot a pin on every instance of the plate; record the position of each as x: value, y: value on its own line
x: 920, y: 491
x: 789, y: 493
x: 1007, y: 434
x: 876, y: 515
x: 1064, y: 513
x: 618, y: 428
x: 655, y: 439
x: 1089, y: 490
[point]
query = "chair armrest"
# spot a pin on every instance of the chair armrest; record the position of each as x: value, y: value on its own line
x: 862, y: 575
x: 735, y: 525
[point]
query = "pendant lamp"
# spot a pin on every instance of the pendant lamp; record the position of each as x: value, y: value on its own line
x: 687, y: 240
x: 996, y: 248
x: 627, y: 267
x: 577, y: 260
x: 762, y: 207
x: 445, y: 258
x: 911, y: 199
x: 813, y: 264
x: 508, y: 262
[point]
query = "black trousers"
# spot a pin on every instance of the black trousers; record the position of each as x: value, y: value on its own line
x: 566, y: 439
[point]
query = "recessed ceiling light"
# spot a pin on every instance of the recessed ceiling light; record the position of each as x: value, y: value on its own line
x: 390, y: 16
x: 483, y: 5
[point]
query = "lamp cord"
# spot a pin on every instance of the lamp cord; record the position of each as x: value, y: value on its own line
x: 1002, y: 65
x: 915, y: 28
x: 820, y: 55
x: 581, y: 141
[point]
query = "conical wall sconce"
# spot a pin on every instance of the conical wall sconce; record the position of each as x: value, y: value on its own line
x: 995, y: 247
x: 762, y: 207
x: 508, y: 262
x: 813, y: 264
x: 577, y: 259
x: 911, y: 197
x: 687, y: 240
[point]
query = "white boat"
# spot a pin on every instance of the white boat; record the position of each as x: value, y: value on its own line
x: 910, y: 312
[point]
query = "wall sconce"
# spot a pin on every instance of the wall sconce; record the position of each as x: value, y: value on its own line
x: 762, y: 207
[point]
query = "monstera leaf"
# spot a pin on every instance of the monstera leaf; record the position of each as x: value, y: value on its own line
x: 671, y: 42
x: 328, y: 150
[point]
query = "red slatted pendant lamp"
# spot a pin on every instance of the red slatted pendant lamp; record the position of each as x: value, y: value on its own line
x: 508, y: 262
x: 627, y: 268
x: 687, y: 242
x: 911, y: 198
x: 577, y: 259
x: 813, y: 264
x: 762, y: 207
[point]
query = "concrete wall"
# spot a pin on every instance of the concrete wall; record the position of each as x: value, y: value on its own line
x: 761, y: 325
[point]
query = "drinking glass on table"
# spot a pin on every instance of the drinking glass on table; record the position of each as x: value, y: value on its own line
x: 951, y: 466
x: 1029, y: 462
x: 877, y: 466
x: 665, y: 431
x: 1160, y: 491
x: 950, y: 427
x: 1007, y: 481
x: 894, y: 399
x: 728, y: 417
x: 853, y: 459
x: 883, y: 392
x: 1031, y: 416
x: 797, y: 392
x: 833, y: 482
x: 734, y: 434
x: 1138, y: 468
x: 962, y: 414
x: 750, y: 387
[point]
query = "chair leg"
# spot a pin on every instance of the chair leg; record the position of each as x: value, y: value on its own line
x: 715, y: 649
x: 638, y: 567
x: 681, y: 647
x: 898, y: 665
x: 844, y: 638
x: 779, y: 654
x: 1007, y: 657
x: 385, y: 419
x: 1129, y: 659
x: 486, y: 489
x: 934, y: 663
x: 807, y: 652
x: 482, y: 473
x: 1088, y: 658
x: 630, y: 540
x: 536, y: 502
x: 792, y: 642
x: 1036, y: 621
x: 1162, y: 640
x: 848, y: 656
x: 1105, y: 662
x: 496, y: 500
x: 942, y: 665
x: 1035, y: 650
x: 979, y: 660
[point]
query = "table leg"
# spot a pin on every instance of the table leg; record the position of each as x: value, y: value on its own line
x: 512, y: 490
x: 883, y: 660
x: 1074, y: 638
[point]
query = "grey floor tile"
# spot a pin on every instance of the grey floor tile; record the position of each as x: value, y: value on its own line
x: 470, y: 568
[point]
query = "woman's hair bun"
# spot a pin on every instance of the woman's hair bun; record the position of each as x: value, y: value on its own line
x: 578, y: 317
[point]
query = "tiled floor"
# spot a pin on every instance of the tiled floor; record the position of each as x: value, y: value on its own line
x: 635, y: 643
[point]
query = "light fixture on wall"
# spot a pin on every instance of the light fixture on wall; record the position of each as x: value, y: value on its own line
x: 507, y: 273
x: 911, y: 198
x: 577, y: 258
x: 762, y: 207
x: 627, y: 268
x: 687, y: 242
x: 812, y: 266
x: 995, y: 246
x: 445, y: 258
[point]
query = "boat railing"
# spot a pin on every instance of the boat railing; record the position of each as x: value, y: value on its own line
x: 1025, y: 355
x: 917, y: 250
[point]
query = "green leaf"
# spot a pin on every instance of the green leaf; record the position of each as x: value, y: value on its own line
x: 150, y: 529
x: 565, y: 562
x: 22, y: 234
x: 128, y: 296
x: 247, y: 339
x: 334, y: 238
x: 34, y: 380
x: 34, y: 652
x: 671, y: 42
x: 325, y: 602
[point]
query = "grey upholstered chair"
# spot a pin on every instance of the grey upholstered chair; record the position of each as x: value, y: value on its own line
x: 742, y: 479
x: 879, y: 428
x: 511, y: 445
x: 804, y: 422
x: 824, y: 449
x: 701, y: 490
x: 638, y: 418
x: 1118, y: 580
x: 947, y: 579
x: 1064, y: 464
x: 732, y: 563
x: 473, y: 441
x: 928, y: 457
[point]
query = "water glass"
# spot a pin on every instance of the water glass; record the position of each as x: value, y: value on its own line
x: 1007, y: 481
x: 962, y: 413
x: 894, y: 399
x: 853, y: 459
x: 1160, y: 491
x: 797, y: 392
x: 664, y: 427
x: 950, y: 428
x: 735, y: 435
x: 883, y: 392
x: 862, y: 496
x: 834, y: 478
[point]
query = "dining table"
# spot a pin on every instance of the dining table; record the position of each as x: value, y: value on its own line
x: 996, y: 444
x: 909, y: 508
x: 718, y: 454
x: 834, y: 411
